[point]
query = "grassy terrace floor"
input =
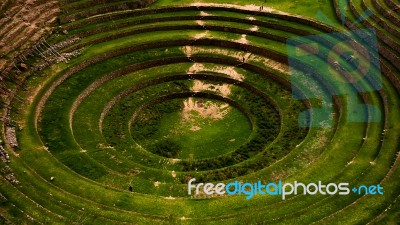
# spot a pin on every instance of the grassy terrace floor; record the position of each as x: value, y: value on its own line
x: 173, y: 91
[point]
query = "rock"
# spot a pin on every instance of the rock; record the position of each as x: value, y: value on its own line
x: 11, y: 137
x: 23, y: 66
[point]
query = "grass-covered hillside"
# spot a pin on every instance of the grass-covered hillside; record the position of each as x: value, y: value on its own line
x: 109, y: 109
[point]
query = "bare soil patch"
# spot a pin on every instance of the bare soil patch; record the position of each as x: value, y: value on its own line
x: 207, y: 109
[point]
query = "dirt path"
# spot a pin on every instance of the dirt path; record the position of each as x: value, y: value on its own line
x: 251, y: 7
x: 202, y: 13
x: 206, y: 109
x: 228, y: 70
x: 255, y: 28
x: 243, y: 39
x: 224, y: 89
x: 200, y: 22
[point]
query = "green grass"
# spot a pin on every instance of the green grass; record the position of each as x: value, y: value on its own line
x: 210, y: 140
x: 306, y: 8
x: 94, y: 167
